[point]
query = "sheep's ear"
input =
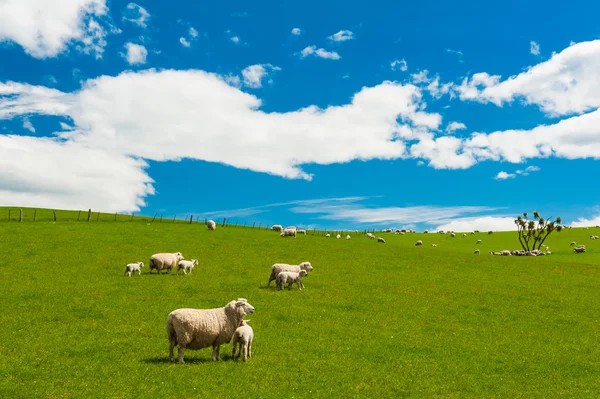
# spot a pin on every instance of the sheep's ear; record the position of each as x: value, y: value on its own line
x: 247, y: 321
x: 242, y: 300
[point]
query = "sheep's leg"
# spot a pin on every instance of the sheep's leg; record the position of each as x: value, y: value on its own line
x: 172, y: 345
x: 214, y: 353
x: 180, y: 350
x: 219, y: 352
x: 184, y: 272
x: 250, y: 348
x: 245, y: 349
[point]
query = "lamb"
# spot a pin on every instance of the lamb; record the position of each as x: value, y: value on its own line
x: 164, y: 261
x: 200, y: 328
x: 478, y: 242
x: 211, y: 225
x: 284, y: 267
x: 288, y: 232
x: 370, y: 235
x: 476, y: 252
x: 380, y: 239
x: 327, y: 235
x: 290, y: 278
x: 186, y: 265
x: 348, y: 237
x: 134, y: 267
x: 277, y: 227
x: 418, y: 243
x: 338, y: 236
x: 594, y: 237
x: 243, y: 336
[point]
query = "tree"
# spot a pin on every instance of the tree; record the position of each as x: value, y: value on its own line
x: 533, y: 233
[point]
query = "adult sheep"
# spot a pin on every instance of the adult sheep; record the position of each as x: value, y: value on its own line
x: 348, y: 237
x: 284, y: 267
x: 277, y: 227
x: 338, y: 236
x: 211, y: 225
x: 478, y: 242
x: 288, y: 233
x: 200, y: 328
x: 301, y: 232
x: 419, y: 243
x: 380, y: 239
x: 164, y: 261
x: 370, y: 235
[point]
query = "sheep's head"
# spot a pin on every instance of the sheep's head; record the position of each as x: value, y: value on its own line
x: 243, y: 305
x: 244, y: 322
x: 141, y: 264
x: 306, y: 266
x: 194, y: 262
x: 179, y: 256
x: 302, y: 273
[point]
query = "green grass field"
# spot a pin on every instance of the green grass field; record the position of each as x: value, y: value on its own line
x: 375, y: 320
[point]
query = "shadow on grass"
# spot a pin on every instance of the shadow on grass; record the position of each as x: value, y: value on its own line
x: 193, y: 360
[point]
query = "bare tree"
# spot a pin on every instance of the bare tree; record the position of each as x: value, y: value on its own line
x: 533, y: 233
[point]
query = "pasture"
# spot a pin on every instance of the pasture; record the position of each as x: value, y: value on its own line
x: 375, y: 320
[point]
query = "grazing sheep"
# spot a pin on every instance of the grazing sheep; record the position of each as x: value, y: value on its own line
x: 288, y: 233
x: 200, y: 328
x: 579, y: 249
x: 243, y: 336
x: 464, y: 235
x: 186, y: 265
x: 476, y: 252
x: 379, y: 239
x: 134, y: 267
x: 478, y: 242
x: 338, y: 236
x: 476, y: 231
x: 442, y: 232
x: 211, y: 225
x: 290, y: 278
x: 370, y: 235
x: 164, y: 261
x: 348, y: 237
x: 426, y: 231
x: 434, y: 245
x: 277, y: 227
x: 284, y: 267
x: 291, y: 227
x: 452, y: 235
x: 490, y: 232
x: 472, y: 233
x: 573, y: 243
x: 301, y: 232
x: 327, y: 235
x: 418, y: 243
x: 594, y: 237
x: 506, y: 252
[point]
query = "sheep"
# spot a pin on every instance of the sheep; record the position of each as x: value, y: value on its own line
x: 348, y: 237
x: 442, y: 232
x: 476, y: 252
x: 338, y: 236
x: 186, y: 265
x: 380, y: 239
x: 594, y: 237
x: 291, y: 228
x: 464, y: 235
x: 164, y: 261
x: 579, y: 249
x: 301, y: 232
x: 434, y: 245
x: 425, y: 231
x: 284, y: 267
x: 200, y: 328
x: 134, y: 267
x: 452, y: 235
x: 277, y: 227
x: 506, y: 252
x: 573, y: 243
x: 478, y: 242
x: 370, y: 235
x: 490, y: 232
x: 243, y: 336
x: 288, y: 232
x: 290, y: 278
x: 327, y: 235
x: 211, y: 225
x: 418, y: 243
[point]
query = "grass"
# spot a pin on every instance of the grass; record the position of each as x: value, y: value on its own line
x: 375, y: 320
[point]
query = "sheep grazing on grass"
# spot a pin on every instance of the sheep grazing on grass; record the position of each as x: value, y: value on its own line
x: 200, y: 328
x: 370, y: 235
x: 243, y: 337
x: 284, y: 267
x: 476, y: 252
x: 164, y: 261
x: 327, y: 235
x: 464, y: 235
x: 301, y: 232
x: 338, y: 236
x: 418, y: 243
x: 277, y: 227
x: 134, y: 267
x: 380, y: 239
x: 573, y: 243
x: 442, y: 232
x: 579, y: 249
x: 186, y: 265
x: 288, y: 233
x: 426, y: 231
x: 290, y: 278
x: 211, y: 225
x: 594, y: 237
x: 348, y: 237
x: 478, y: 242
x: 452, y: 235
x: 490, y: 232
x: 506, y: 252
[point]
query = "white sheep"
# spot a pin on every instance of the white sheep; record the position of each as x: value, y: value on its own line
x: 505, y: 252
x: 290, y: 278
x: 579, y: 249
x: 134, y: 267
x: 573, y: 243
x: 164, y: 261
x: 327, y: 235
x: 301, y: 232
x: 379, y: 239
x: 186, y: 265
x: 200, y: 328
x: 338, y: 236
x: 348, y: 237
x: 211, y: 225
x: 288, y: 233
x: 284, y: 267
x: 243, y: 336
x: 478, y: 242
x: 277, y: 227
x: 464, y: 235
x: 419, y: 243
x: 476, y: 252
x: 370, y: 235
x: 434, y: 245
x: 426, y: 231
x: 452, y: 235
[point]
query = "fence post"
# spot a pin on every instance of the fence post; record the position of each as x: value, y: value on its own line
x: 79, y: 214
x: 115, y: 216
x: 224, y: 220
x: 54, y: 215
x: 259, y: 225
x: 132, y: 217
x: 21, y: 216
x: 89, y: 214
x: 154, y: 217
x: 98, y: 216
x: 253, y: 224
x: 174, y: 216
x: 9, y: 214
x: 191, y: 218
x: 197, y: 219
x: 34, y: 214
x: 244, y: 224
x: 161, y: 215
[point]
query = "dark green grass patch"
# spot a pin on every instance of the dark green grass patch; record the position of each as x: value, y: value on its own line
x: 375, y: 320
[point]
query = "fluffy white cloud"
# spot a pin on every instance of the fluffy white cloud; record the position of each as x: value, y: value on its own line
x: 565, y: 84
x: 534, y: 48
x: 28, y: 125
x: 44, y: 172
x: 342, y: 36
x: 583, y: 222
x: 319, y: 52
x: 136, y: 14
x: 193, y: 32
x: 528, y: 170
x: 435, y: 88
x: 254, y: 74
x: 296, y: 31
x: 184, y: 42
x: 420, y: 77
x: 235, y: 39
x: 484, y: 223
x: 400, y: 65
x: 44, y: 28
x: 504, y: 176
x: 136, y: 54
x: 454, y: 126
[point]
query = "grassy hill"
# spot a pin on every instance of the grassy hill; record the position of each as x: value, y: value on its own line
x: 375, y: 320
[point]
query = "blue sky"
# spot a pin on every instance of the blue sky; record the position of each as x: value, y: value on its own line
x: 320, y: 114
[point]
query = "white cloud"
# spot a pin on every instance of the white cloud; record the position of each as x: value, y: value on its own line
x: 399, y: 65
x: 233, y: 80
x: 534, y: 48
x: 484, y: 223
x: 504, y: 176
x: 235, y: 39
x: 136, y: 54
x: 341, y: 36
x: 28, y: 125
x: 184, y: 42
x: 528, y: 170
x: 457, y: 52
x: 44, y: 29
x: 136, y: 14
x: 454, y: 126
x: 436, y: 89
x: 193, y: 32
x: 420, y: 77
x: 321, y: 53
x: 565, y: 84
x: 583, y: 222
x: 296, y: 31
x: 254, y: 74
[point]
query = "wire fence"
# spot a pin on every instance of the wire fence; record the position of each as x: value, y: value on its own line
x: 30, y: 215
